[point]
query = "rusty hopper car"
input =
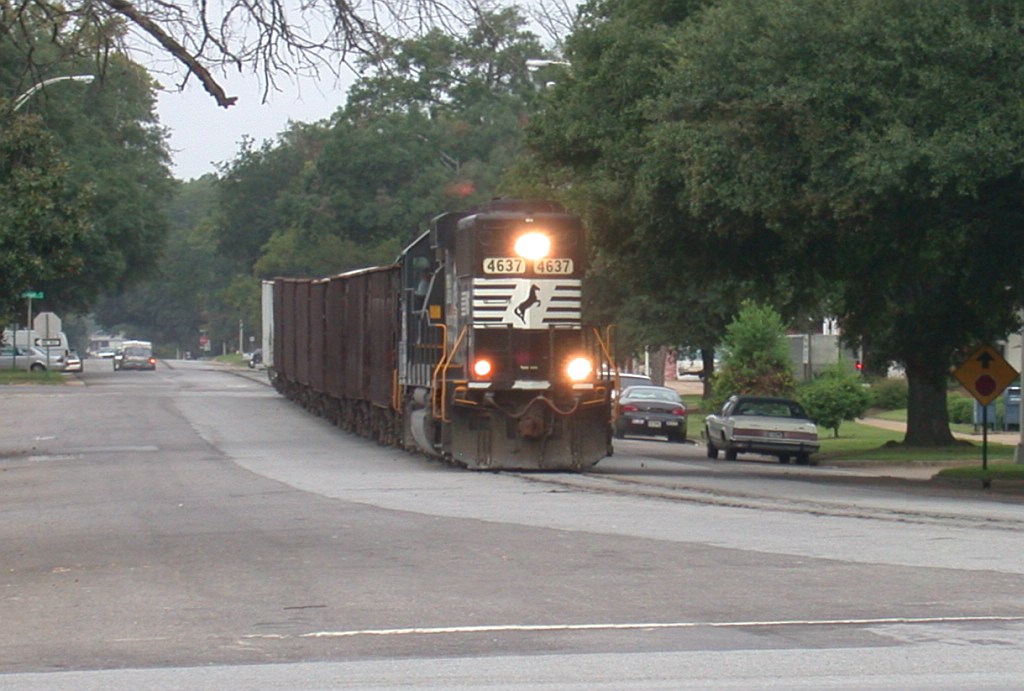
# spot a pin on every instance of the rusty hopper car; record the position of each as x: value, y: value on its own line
x: 471, y: 347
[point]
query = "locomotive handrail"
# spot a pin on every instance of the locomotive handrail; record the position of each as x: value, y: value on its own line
x: 442, y: 368
x: 608, y: 357
x: 601, y: 343
x: 440, y: 363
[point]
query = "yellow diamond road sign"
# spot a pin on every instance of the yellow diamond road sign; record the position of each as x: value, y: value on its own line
x: 985, y: 374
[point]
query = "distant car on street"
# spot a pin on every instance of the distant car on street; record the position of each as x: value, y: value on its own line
x: 135, y: 355
x: 650, y: 411
x: 763, y: 425
x: 72, y: 363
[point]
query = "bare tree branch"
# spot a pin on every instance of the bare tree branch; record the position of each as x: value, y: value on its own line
x: 174, y: 48
x: 557, y: 18
x: 273, y: 38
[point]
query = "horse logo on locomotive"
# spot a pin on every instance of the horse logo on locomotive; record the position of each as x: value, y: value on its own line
x: 471, y: 347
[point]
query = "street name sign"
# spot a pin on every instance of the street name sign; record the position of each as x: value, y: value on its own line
x: 33, y: 294
x: 985, y: 374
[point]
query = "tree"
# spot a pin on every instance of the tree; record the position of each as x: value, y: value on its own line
x: 428, y: 128
x: 41, y: 217
x: 590, y: 145
x: 173, y: 305
x: 250, y: 187
x: 103, y: 142
x: 877, y: 146
x: 756, y: 357
x: 116, y: 154
x: 861, y: 159
x: 837, y: 394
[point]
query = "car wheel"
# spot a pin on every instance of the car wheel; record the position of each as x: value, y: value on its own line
x: 37, y: 367
x: 712, y: 450
x: 730, y: 454
x: 803, y: 459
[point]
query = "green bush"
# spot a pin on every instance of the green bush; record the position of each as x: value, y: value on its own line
x: 889, y: 394
x: 961, y: 410
x: 756, y: 357
x: 837, y: 394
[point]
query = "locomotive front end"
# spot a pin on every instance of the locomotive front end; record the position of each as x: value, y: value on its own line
x: 517, y: 386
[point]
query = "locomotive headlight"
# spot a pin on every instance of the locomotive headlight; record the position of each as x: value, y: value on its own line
x: 482, y: 368
x: 533, y: 245
x: 579, y: 369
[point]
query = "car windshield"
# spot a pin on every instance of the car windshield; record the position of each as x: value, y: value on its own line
x: 136, y: 352
x: 651, y: 393
x: 790, y: 409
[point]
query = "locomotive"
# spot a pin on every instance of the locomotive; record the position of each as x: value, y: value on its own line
x: 471, y: 347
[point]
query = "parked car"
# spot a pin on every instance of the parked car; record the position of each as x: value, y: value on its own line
x: 28, y: 359
x: 650, y: 411
x: 764, y: 425
x: 72, y: 363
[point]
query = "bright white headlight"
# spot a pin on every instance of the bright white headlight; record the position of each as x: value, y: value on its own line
x: 533, y: 245
x: 579, y: 369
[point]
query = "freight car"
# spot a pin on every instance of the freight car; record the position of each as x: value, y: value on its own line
x: 470, y: 347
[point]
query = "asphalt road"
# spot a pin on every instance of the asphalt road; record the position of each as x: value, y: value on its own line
x: 188, y: 528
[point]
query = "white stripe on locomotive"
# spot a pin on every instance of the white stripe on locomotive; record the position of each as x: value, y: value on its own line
x: 527, y: 303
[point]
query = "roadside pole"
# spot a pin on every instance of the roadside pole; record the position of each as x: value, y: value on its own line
x: 1018, y: 454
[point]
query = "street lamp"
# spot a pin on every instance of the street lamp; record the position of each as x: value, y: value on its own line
x: 21, y: 100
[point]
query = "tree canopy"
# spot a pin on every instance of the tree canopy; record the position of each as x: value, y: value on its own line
x: 862, y: 159
x: 84, y: 175
x: 41, y: 219
x: 881, y: 152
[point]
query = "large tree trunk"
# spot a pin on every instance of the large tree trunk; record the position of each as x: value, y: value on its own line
x: 707, y: 358
x: 927, y: 414
x: 657, y: 359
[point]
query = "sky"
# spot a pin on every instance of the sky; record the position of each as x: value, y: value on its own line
x: 203, y: 135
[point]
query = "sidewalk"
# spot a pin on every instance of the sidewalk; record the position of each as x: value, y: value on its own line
x: 1006, y: 438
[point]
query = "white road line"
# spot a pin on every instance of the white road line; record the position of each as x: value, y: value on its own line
x: 446, y: 630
